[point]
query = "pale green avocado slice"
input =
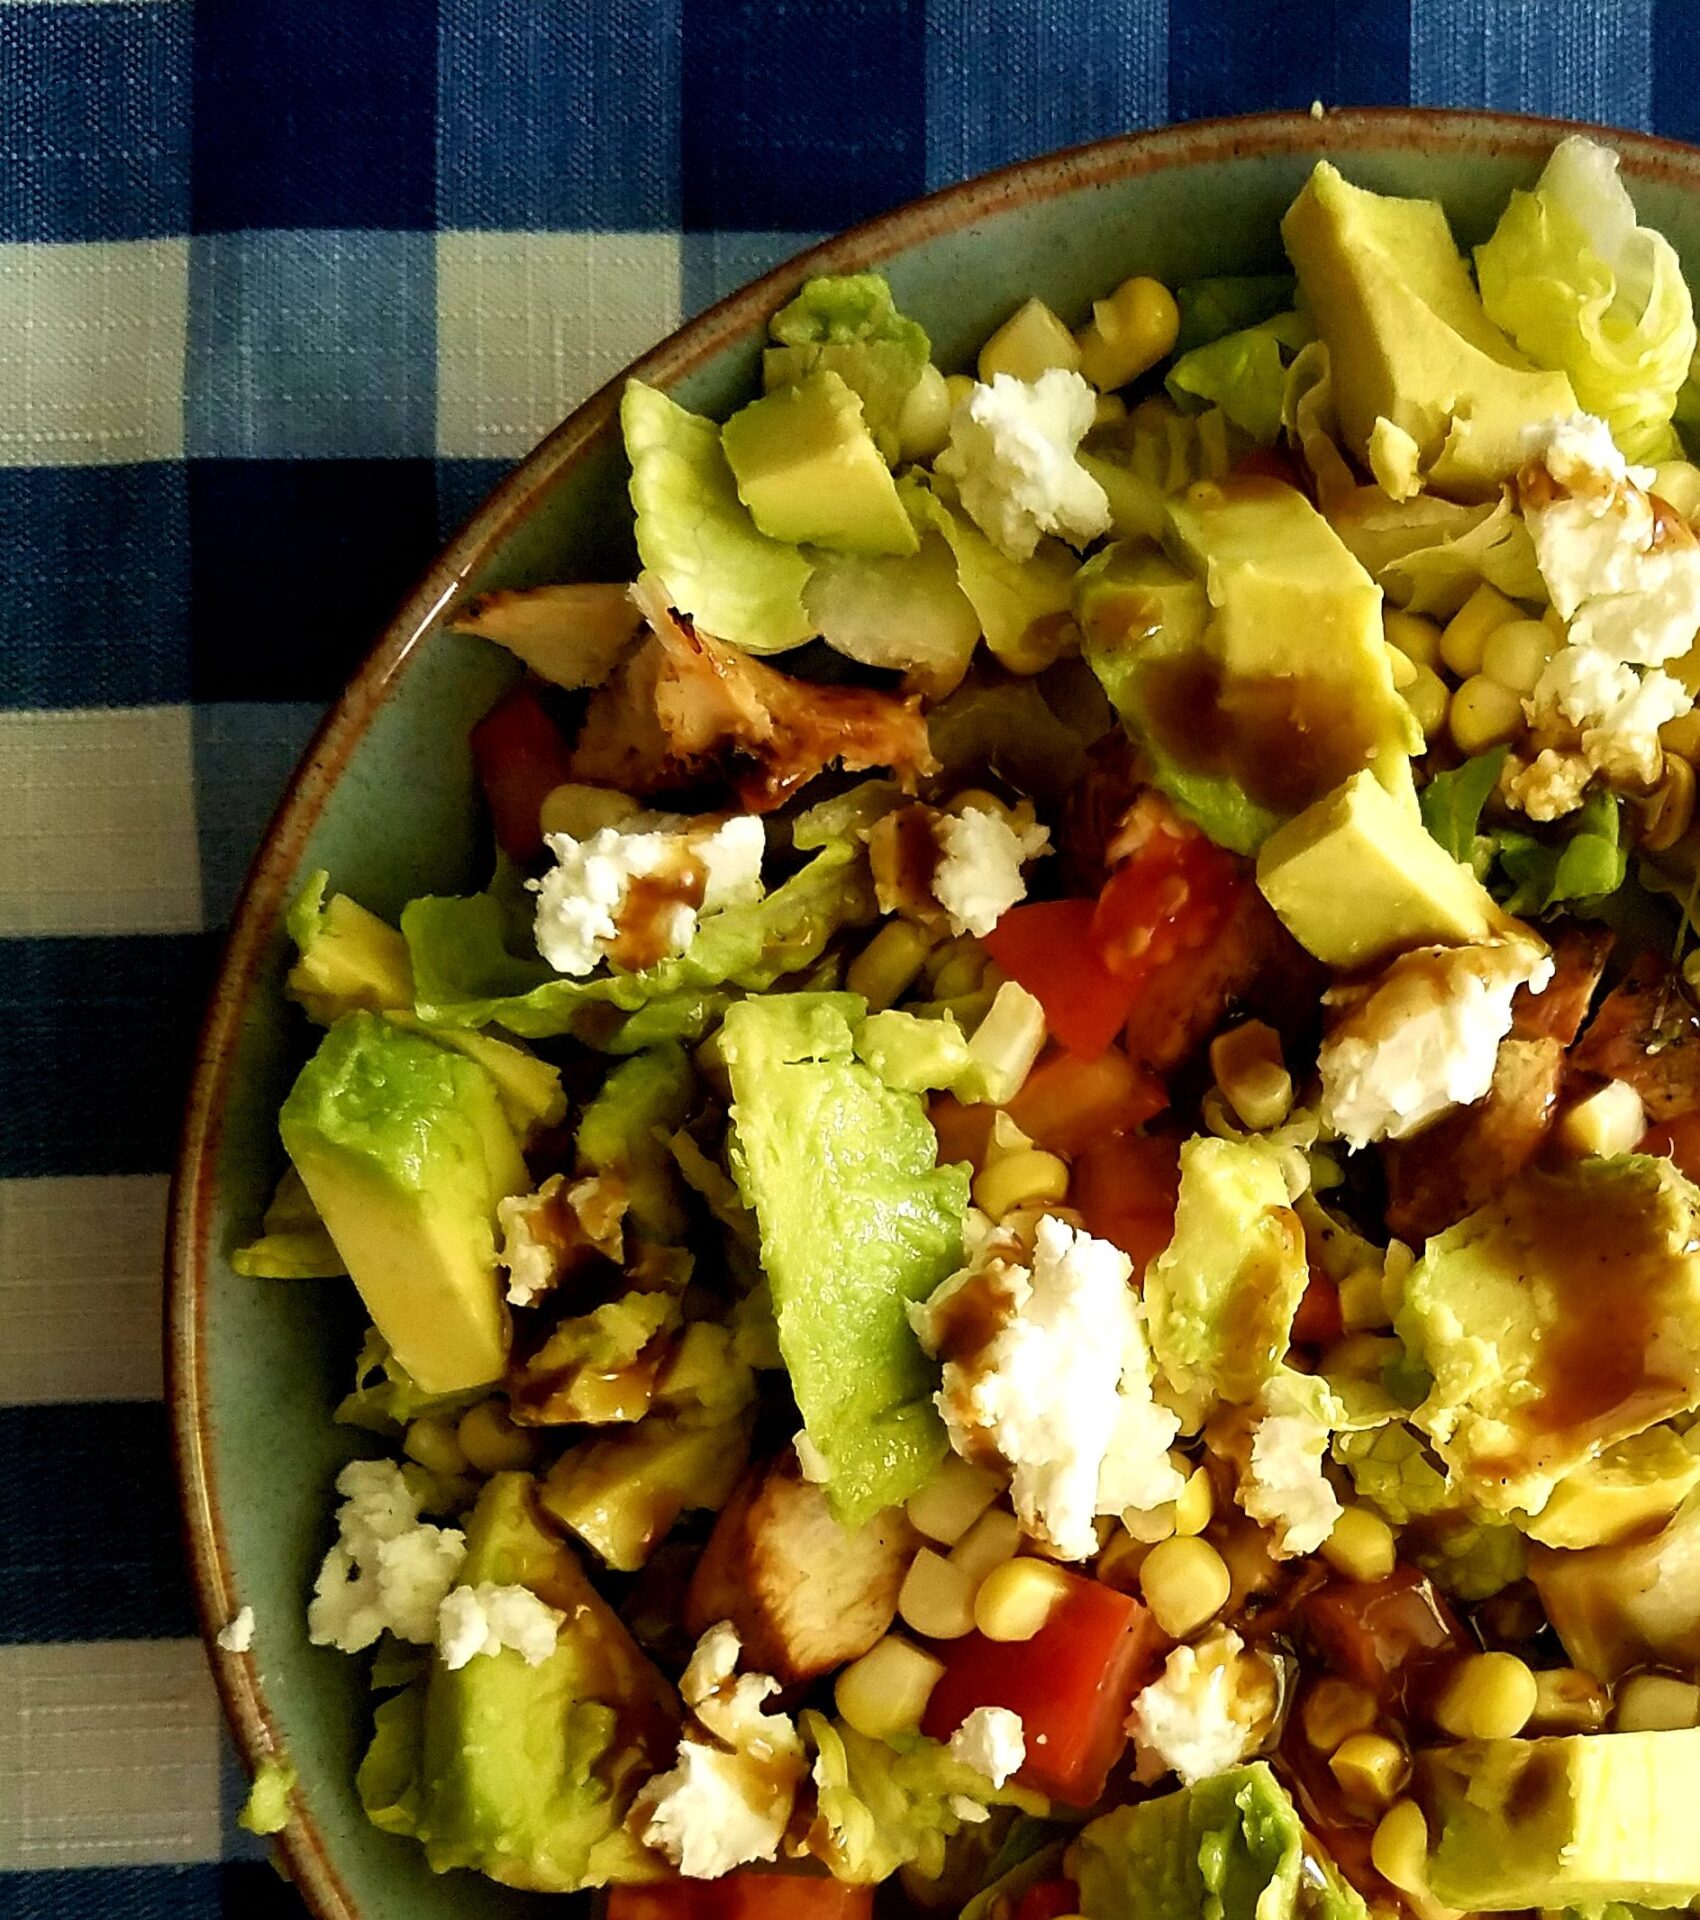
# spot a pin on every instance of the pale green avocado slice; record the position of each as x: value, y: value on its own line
x: 405, y: 1150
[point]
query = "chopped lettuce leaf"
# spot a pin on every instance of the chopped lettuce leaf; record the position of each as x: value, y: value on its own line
x: 1229, y: 303
x: 347, y: 958
x: 1392, y: 1468
x: 294, y: 1243
x: 465, y: 976
x: 697, y: 537
x: 388, y: 1777
x: 1452, y: 808
x: 1583, y: 289
x: 1428, y: 555
x: 1008, y: 596
x: 1008, y: 729
x: 857, y: 1221
x: 849, y: 324
x: 1245, y: 374
x: 624, y: 1132
x: 1027, y: 1856
x: 1470, y: 1556
x: 1574, y: 870
x: 386, y: 1396
x: 267, y: 1809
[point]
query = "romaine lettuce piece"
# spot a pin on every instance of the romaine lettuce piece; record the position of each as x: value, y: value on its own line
x: 1584, y: 290
x: 696, y: 536
x: 1428, y: 555
x: 1229, y: 303
x: 1009, y: 597
x: 624, y: 1132
x: 1244, y: 373
x: 348, y: 958
x: 386, y: 1397
x: 848, y: 324
x: 856, y: 1222
x: 1452, y: 805
x: 294, y: 1243
x: 1586, y: 864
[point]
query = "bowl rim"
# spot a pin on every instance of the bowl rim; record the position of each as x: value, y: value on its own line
x: 261, y: 903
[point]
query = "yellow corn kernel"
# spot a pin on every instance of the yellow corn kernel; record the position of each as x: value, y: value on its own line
x: 1413, y: 636
x: 1016, y: 1599
x: 1030, y: 342
x: 1428, y: 697
x: 1119, y: 1563
x: 951, y: 1501
x: 1656, y: 1703
x: 1185, y: 1582
x: 1108, y: 410
x: 1333, y: 1711
x: 994, y: 1538
x: 1677, y: 482
x: 936, y: 1598
x: 887, y: 1690
x: 1516, y: 654
x: 1148, y: 1525
x: 1195, y: 1507
x: 1360, y: 1545
x: 958, y: 387
x: 1018, y: 1180
x: 431, y: 1441
x: 923, y: 421
x: 1490, y: 1696
x: 1611, y: 1120
x: 1483, y: 714
x: 581, y: 811
x: 888, y: 966
x: 1399, y: 1848
x: 1129, y: 332
x: 1249, y: 1069
x: 1363, y: 1301
x: 1568, y: 1701
x: 1682, y: 735
x: 1370, y: 1768
x: 1464, y: 637
x: 1402, y: 671
x: 491, y: 1441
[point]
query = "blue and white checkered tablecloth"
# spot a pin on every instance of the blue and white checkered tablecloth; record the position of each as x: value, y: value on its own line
x: 284, y: 284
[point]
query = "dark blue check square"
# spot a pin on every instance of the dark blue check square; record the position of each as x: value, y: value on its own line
x: 311, y: 345
x: 314, y: 115
x: 559, y: 116
x: 1244, y: 60
x: 94, y: 122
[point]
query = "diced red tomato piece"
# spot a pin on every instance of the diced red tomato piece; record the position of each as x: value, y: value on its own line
x: 1318, y: 1320
x: 1072, y: 1684
x: 1169, y: 895
x: 1125, y: 1190
x: 1049, y: 949
x: 1676, y: 1139
x: 742, y: 1896
x: 1048, y: 1900
x: 520, y: 755
x: 1371, y: 1631
x: 1068, y: 1101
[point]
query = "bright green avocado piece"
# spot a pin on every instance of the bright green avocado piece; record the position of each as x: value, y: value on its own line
x: 1408, y: 340
x: 624, y: 1132
x: 1564, y: 1822
x: 527, y: 1773
x: 856, y: 1222
x: 808, y: 470
x: 405, y: 1150
x: 1558, y: 1320
x: 347, y: 957
x: 1230, y: 1847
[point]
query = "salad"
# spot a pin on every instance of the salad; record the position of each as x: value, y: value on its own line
x: 1036, y: 1252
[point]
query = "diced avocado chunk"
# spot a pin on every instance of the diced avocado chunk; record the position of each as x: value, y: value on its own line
x: 531, y: 1090
x: 1630, y: 1486
x: 1557, y: 1320
x: 527, y: 1773
x: 1356, y: 879
x: 857, y: 1221
x: 1230, y: 1847
x: 808, y: 470
x: 1220, y: 1298
x: 1565, y: 1822
x: 1408, y: 339
x: 347, y: 957
x: 625, y: 1128
x: 1635, y: 1603
x: 405, y: 1150
x: 849, y: 324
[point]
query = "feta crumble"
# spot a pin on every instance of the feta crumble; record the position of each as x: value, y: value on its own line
x: 1423, y: 1037
x: 487, y: 1617
x: 724, y: 1805
x: 1061, y: 1391
x: 992, y: 1741
x: 981, y: 853
x: 1012, y: 456
x: 1284, y: 1487
x: 541, y: 1231
x: 388, y: 1569
x: 237, y: 1635
x: 1209, y: 1710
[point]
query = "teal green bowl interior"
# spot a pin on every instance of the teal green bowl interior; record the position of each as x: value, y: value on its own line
x: 384, y: 800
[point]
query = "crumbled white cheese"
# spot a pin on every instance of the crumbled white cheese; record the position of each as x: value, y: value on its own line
x: 486, y: 1618
x: 1205, y: 1713
x: 1061, y: 1392
x: 581, y: 899
x: 992, y: 1741
x: 533, y: 1249
x: 237, y: 1636
x: 1284, y: 1487
x: 1012, y: 456
x: 388, y: 1570
x: 1617, y: 711
x: 811, y: 1462
x: 981, y: 853
x: 1547, y: 787
x: 725, y: 1805
x: 1422, y: 1038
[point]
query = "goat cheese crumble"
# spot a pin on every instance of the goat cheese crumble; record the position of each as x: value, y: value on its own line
x: 981, y: 854
x: 992, y: 1741
x: 1060, y: 1394
x: 541, y: 1231
x: 388, y: 1569
x: 1284, y: 1487
x: 1423, y: 1037
x: 487, y: 1617
x: 237, y: 1635
x: 1012, y: 456
x: 1207, y: 1711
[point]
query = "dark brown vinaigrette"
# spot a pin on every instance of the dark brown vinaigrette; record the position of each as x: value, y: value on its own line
x: 647, y: 911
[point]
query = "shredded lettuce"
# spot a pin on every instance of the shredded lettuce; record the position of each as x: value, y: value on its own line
x: 1452, y: 805
x: 386, y: 1396
x: 1008, y: 596
x: 849, y: 324
x: 1470, y: 1556
x: 1429, y: 554
x: 388, y: 1777
x: 1583, y: 289
x: 1244, y: 373
x: 1229, y: 303
x: 1584, y: 865
x: 697, y: 537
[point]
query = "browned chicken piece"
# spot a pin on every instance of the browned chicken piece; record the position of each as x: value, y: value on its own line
x: 1558, y: 1011
x: 571, y: 635
x: 804, y: 1595
x: 1449, y: 1169
x: 683, y: 706
x: 1647, y: 1032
